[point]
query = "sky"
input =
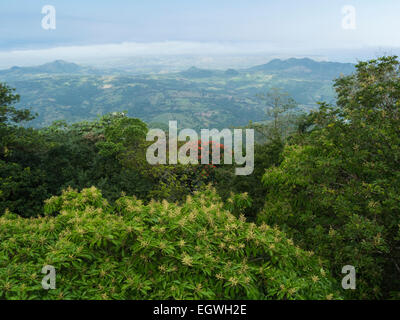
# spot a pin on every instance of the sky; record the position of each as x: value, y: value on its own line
x: 120, y: 28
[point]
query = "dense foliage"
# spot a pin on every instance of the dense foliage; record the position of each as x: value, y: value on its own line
x: 337, y: 190
x: 329, y: 180
x: 155, y: 251
x: 108, y: 153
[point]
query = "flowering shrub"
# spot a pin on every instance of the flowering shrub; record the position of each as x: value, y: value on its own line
x: 162, y: 250
x: 211, y: 145
x: 175, y: 182
x: 237, y: 203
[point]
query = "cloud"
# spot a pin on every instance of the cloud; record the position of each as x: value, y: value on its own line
x: 130, y: 49
x: 103, y: 53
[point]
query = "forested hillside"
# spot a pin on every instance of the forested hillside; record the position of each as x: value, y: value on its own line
x: 80, y: 196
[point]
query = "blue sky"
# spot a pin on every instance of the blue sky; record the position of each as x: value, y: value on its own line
x: 237, y: 25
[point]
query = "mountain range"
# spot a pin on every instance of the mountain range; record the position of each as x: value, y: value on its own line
x: 197, y: 98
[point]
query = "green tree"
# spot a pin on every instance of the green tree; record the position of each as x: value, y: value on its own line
x: 21, y: 187
x: 279, y: 106
x: 336, y: 191
x: 9, y: 114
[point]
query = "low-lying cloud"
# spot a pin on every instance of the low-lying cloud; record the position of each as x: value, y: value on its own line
x: 129, y: 49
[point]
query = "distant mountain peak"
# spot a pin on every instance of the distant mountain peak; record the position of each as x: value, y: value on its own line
x: 304, y: 66
x: 61, y: 66
x: 194, y: 72
x: 62, y: 62
x: 54, y: 67
x: 231, y: 72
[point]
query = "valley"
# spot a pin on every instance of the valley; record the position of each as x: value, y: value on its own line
x: 196, y: 98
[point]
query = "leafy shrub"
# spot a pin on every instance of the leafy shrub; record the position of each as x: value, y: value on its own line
x: 157, y: 251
